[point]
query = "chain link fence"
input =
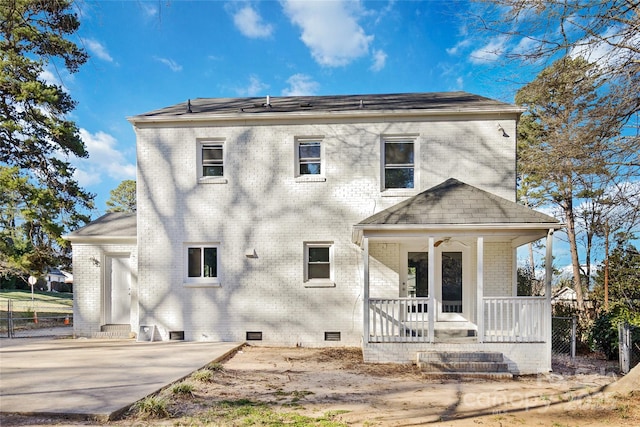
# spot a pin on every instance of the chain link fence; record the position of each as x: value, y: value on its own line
x: 564, y: 336
x: 628, y: 346
x: 24, y: 319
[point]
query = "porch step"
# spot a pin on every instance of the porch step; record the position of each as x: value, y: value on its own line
x: 113, y: 331
x: 463, y: 364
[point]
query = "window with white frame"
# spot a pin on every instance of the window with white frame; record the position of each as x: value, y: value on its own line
x: 202, y: 264
x: 309, y: 158
x: 211, y: 160
x: 318, y: 263
x: 399, y: 162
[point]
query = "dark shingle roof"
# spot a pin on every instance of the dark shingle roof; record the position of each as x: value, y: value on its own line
x: 115, y: 225
x: 454, y: 202
x: 435, y: 101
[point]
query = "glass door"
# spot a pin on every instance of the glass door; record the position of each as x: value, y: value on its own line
x: 418, y: 274
x: 451, y: 282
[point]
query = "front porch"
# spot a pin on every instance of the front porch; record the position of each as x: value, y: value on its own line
x: 399, y: 328
x: 440, y: 274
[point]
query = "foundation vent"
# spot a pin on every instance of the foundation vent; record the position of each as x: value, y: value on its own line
x: 176, y: 335
x: 332, y: 336
x: 254, y: 336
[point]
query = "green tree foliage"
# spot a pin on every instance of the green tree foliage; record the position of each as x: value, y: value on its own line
x: 42, y: 199
x: 624, y: 297
x: 604, y: 332
x: 624, y: 279
x: 568, y: 141
x: 123, y: 197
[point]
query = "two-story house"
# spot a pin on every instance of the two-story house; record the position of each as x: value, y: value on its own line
x: 382, y: 221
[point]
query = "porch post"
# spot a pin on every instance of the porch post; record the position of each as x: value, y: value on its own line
x: 547, y: 292
x: 365, y: 281
x: 480, y: 288
x: 431, y: 306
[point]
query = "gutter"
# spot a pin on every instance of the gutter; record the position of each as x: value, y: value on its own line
x: 294, y: 116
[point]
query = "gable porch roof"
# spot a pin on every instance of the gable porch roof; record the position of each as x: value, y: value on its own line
x: 456, y: 207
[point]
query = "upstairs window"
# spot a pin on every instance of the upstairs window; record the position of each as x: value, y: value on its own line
x: 309, y: 155
x: 212, y: 160
x: 399, y: 163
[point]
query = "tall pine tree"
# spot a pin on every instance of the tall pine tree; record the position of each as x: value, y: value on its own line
x: 37, y: 139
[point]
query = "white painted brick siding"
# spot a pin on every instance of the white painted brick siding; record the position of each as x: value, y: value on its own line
x: 498, y: 269
x: 263, y: 208
x: 88, y: 285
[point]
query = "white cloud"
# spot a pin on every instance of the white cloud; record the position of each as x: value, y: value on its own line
x: 458, y: 46
x: 104, y: 159
x: 148, y: 9
x: 173, y: 65
x: 379, y: 60
x: 250, y: 23
x: 489, y: 52
x: 97, y: 49
x: 609, y: 51
x: 255, y: 87
x: 49, y: 76
x: 330, y: 29
x: 300, y: 84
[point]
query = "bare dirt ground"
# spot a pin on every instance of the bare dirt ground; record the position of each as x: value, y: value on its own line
x: 316, y: 382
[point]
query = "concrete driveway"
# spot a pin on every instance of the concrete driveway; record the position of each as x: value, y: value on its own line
x: 94, y: 379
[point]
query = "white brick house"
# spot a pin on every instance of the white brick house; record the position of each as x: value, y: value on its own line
x: 382, y: 221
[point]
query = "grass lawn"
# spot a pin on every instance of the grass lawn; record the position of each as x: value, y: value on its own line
x: 46, y: 309
x: 42, y: 302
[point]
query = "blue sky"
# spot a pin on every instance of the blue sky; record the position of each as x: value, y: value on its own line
x: 146, y: 55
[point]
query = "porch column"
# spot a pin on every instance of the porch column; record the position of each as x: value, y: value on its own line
x: 548, y: 266
x: 480, y: 288
x: 547, y: 293
x: 431, y: 306
x: 365, y: 281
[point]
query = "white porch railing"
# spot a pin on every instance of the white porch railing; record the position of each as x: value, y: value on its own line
x: 515, y: 319
x: 398, y: 320
x: 506, y: 319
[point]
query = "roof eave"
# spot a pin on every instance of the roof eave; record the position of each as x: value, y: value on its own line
x: 461, y: 227
x: 100, y: 239
x: 221, y: 117
x: 359, y: 230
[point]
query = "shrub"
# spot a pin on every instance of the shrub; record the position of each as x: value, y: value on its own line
x: 604, y: 333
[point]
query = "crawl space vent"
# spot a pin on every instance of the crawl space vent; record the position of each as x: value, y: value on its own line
x: 254, y: 336
x: 176, y: 335
x: 332, y: 336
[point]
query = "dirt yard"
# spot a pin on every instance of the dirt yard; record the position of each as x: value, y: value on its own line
x: 272, y: 385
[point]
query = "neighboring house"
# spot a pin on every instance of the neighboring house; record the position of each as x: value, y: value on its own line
x: 57, y: 279
x: 565, y: 296
x: 382, y: 221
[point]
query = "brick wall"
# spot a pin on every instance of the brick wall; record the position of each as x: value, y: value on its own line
x: 498, y: 269
x: 89, y: 263
x: 263, y: 208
